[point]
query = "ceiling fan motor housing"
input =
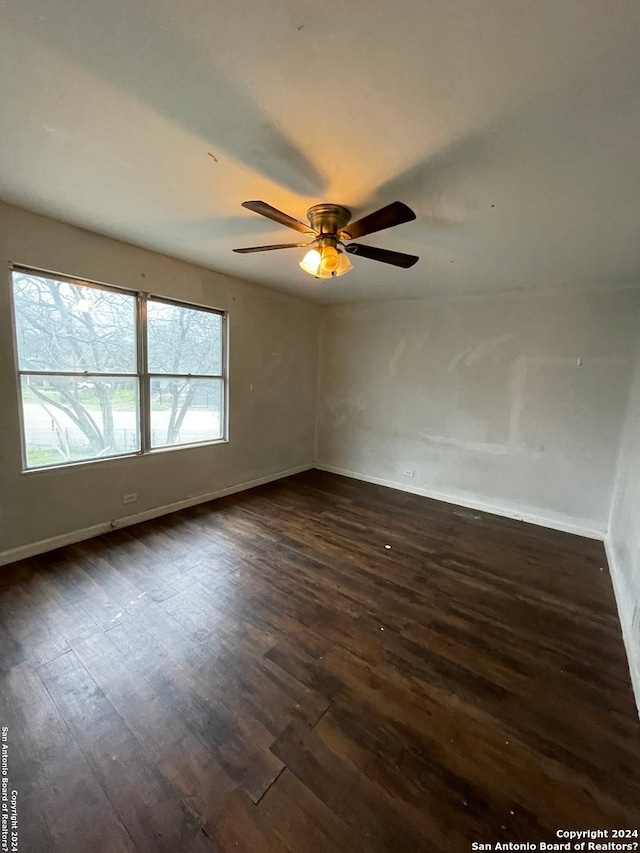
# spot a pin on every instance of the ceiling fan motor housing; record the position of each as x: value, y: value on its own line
x: 328, y: 218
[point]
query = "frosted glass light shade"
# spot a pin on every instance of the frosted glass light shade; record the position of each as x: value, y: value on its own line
x: 330, y: 259
x: 344, y: 264
x: 311, y: 262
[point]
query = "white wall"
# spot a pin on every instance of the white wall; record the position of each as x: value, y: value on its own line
x: 513, y: 403
x: 623, y: 541
x: 273, y: 347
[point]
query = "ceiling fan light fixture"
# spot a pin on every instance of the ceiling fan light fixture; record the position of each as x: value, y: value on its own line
x: 344, y: 264
x: 326, y: 262
x: 330, y: 259
x: 311, y: 262
x: 324, y: 274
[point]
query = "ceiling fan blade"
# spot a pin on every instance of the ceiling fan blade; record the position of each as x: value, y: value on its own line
x: 250, y: 249
x: 398, y: 259
x: 393, y: 214
x: 265, y: 209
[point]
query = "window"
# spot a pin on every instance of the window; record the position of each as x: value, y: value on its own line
x: 106, y: 372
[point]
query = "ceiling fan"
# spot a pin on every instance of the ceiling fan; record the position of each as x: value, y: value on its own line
x: 330, y: 230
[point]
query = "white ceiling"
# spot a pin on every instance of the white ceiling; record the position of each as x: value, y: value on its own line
x: 510, y: 126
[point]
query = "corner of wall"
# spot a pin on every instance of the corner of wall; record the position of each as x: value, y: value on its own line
x: 627, y: 602
x: 629, y: 615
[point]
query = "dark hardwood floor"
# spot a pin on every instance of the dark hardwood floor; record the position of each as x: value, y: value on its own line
x: 263, y: 673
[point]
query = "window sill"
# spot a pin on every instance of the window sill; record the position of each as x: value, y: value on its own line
x: 120, y: 456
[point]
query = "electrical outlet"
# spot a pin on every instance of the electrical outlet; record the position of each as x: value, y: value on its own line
x: 130, y: 499
x: 408, y: 472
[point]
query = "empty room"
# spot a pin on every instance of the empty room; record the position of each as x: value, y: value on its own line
x: 319, y: 426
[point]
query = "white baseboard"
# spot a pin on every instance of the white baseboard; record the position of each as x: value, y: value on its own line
x: 577, y: 526
x: 26, y: 551
x: 625, y: 604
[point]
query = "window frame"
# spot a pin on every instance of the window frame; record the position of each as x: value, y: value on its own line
x: 142, y: 375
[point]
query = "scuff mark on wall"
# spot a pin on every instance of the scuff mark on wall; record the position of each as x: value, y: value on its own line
x: 517, y: 383
x: 397, y: 355
x: 458, y: 358
x: 486, y: 347
x: 480, y: 446
x: 343, y: 409
x: 475, y: 352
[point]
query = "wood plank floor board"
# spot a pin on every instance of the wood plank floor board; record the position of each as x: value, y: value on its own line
x: 239, y: 744
x: 46, y: 637
x: 180, y: 756
x: 428, y: 769
x: 303, y: 822
x: 87, y: 606
x: 26, y: 773
x: 305, y: 666
x: 244, y: 678
x: 129, y: 557
x: 261, y: 674
x: 155, y: 818
x: 11, y: 650
x: 61, y: 803
x: 355, y: 799
x: 240, y: 827
x: 212, y: 626
x: 402, y: 765
x: 90, y: 559
x: 465, y: 733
